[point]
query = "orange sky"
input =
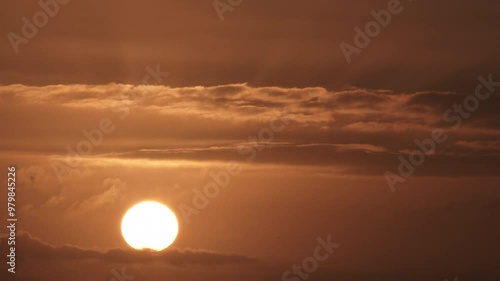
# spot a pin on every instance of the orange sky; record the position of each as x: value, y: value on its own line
x: 269, y: 90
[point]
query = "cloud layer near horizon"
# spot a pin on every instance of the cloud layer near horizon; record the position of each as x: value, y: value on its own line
x: 354, y: 130
x: 31, y: 247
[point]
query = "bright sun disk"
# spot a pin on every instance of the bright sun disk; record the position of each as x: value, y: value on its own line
x: 149, y: 225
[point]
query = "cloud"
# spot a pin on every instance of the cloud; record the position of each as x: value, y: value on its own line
x: 109, y: 192
x: 31, y: 247
x: 354, y: 129
x: 317, y: 107
x: 480, y: 146
x: 299, y: 47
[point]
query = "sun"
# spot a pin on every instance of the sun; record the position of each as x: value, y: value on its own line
x: 149, y: 225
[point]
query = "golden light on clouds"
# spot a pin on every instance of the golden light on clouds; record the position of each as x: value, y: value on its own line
x: 149, y: 225
x: 272, y: 131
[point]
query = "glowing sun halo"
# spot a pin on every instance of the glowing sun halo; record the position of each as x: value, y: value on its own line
x: 149, y: 225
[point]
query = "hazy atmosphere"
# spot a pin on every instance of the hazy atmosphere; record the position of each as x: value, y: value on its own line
x: 282, y: 140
